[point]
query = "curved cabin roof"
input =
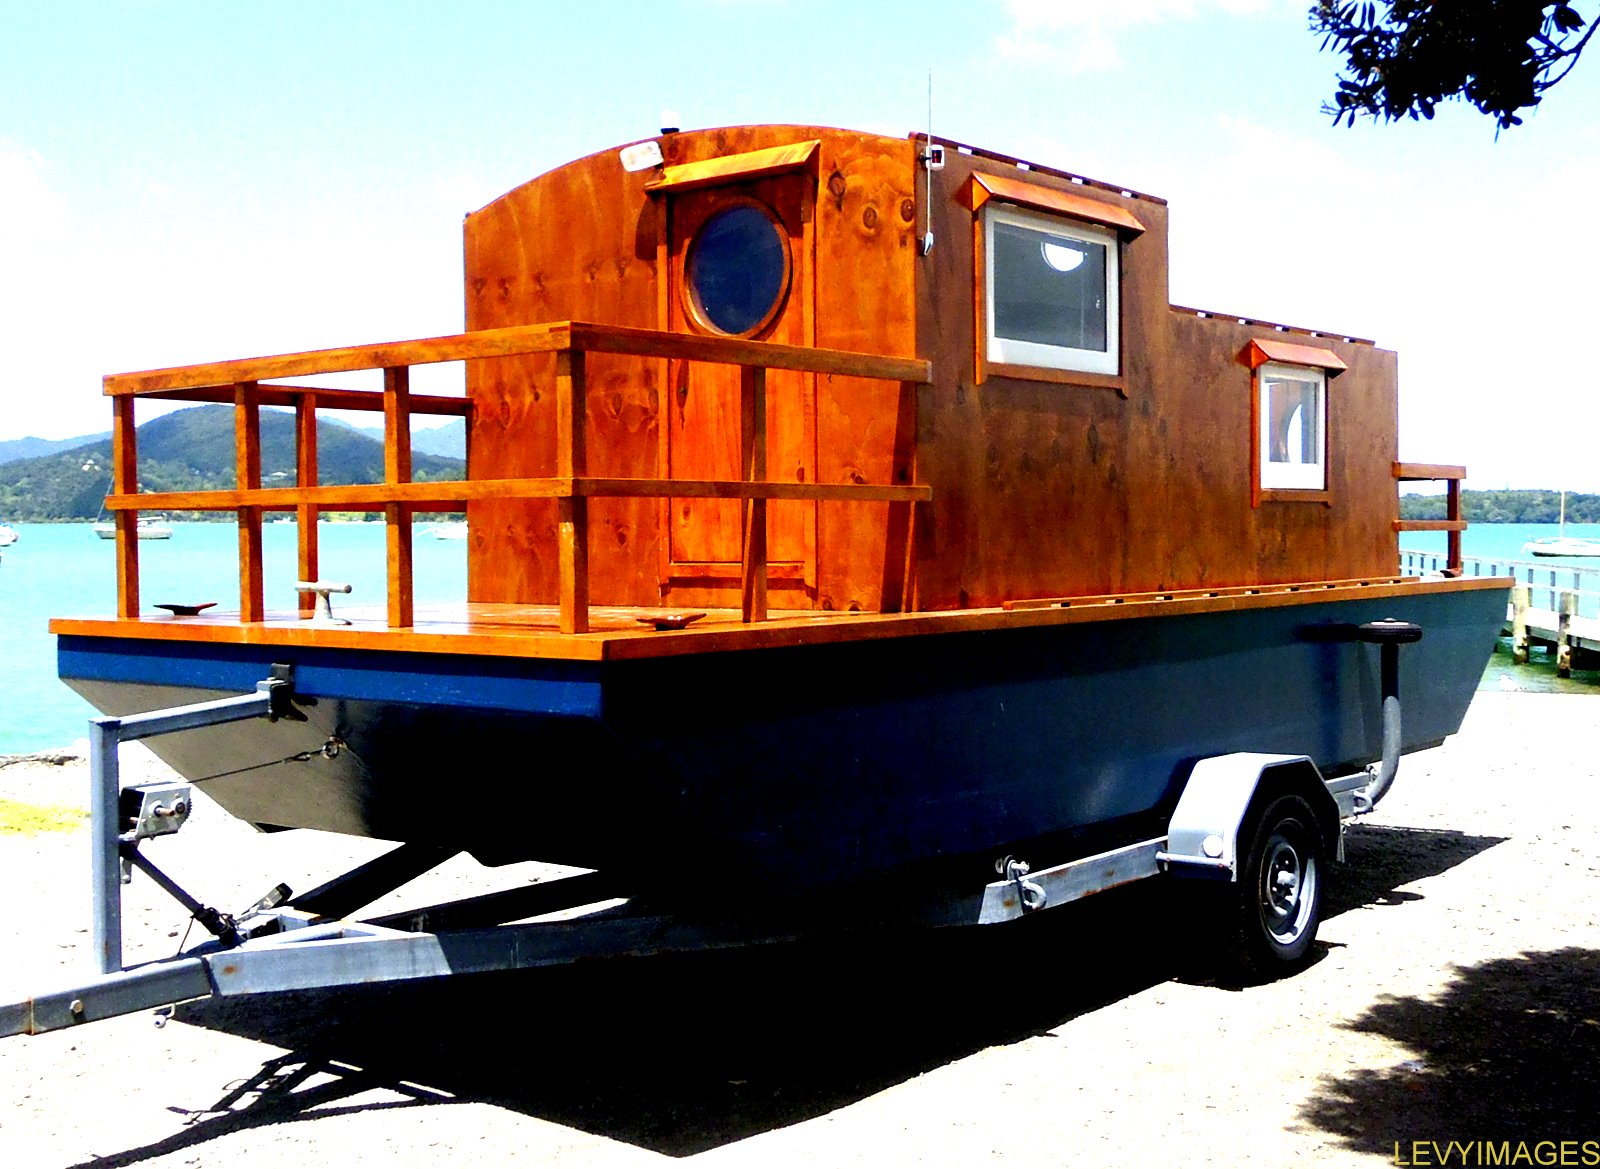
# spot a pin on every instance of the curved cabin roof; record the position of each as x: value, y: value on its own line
x: 590, y: 240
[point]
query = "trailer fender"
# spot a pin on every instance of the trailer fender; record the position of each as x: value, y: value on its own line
x: 1214, y: 810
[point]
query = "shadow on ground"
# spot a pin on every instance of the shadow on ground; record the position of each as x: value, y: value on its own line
x: 1380, y: 858
x: 685, y: 1053
x: 1510, y: 1052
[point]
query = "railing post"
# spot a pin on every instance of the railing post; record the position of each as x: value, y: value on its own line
x: 572, y: 510
x: 397, y: 469
x: 1453, y: 538
x: 125, y: 481
x: 753, y: 462
x: 247, y: 462
x: 305, y: 475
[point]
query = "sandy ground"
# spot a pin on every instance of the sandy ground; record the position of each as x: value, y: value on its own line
x: 1456, y: 997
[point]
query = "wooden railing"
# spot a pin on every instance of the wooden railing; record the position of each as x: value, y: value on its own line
x: 1452, y: 523
x: 571, y: 487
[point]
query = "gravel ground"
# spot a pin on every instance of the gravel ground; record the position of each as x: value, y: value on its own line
x: 1456, y: 996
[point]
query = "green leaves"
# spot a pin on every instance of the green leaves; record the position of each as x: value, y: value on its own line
x: 1404, y: 57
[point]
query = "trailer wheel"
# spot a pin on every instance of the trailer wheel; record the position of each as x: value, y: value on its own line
x: 1277, y: 901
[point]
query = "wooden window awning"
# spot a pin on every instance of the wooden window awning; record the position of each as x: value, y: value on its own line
x: 753, y: 164
x: 985, y: 187
x: 1259, y: 352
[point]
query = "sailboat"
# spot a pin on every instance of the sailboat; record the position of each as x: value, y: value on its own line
x: 1563, y: 544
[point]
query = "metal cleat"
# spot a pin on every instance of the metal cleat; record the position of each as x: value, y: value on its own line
x: 323, y: 589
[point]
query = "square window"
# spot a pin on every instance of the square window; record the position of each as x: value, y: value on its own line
x: 1294, y: 427
x: 1050, y: 292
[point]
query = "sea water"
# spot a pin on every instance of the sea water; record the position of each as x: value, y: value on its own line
x: 65, y: 570
x: 1503, y: 542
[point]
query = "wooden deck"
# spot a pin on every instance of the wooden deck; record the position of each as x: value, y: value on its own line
x: 534, y: 631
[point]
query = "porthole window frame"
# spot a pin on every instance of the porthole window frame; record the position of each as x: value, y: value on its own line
x: 694, y: 311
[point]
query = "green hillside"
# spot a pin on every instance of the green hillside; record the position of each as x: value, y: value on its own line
x: 1507, y: 506
x: 191, y: 450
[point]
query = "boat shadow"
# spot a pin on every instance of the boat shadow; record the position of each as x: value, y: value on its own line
x: 684, y: 1053
x: 1381, y: 858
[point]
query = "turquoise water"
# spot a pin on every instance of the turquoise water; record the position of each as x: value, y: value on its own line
x: 1499, y: 549
x: 64, y: 570
x: 1503, y: 542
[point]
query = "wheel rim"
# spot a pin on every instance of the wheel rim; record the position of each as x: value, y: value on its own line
x: 1288, y: 884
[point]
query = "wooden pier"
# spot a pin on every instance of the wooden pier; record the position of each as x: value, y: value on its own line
x: 1557, y: 607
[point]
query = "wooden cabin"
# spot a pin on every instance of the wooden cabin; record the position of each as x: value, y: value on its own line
x: 1080, y: 434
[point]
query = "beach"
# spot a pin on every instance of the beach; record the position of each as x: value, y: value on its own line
x: 1455, y: 997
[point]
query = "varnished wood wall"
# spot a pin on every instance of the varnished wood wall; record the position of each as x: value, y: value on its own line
x: 1049, y: 489
x: 1040, y: 488
x: 581, y: 243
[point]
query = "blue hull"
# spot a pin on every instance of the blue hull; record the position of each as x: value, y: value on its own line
x: 801, y: 768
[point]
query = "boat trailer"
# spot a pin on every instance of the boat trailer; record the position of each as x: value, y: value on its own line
x: 1256, y: 826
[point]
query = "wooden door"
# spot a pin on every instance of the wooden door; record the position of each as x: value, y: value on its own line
x: 739, y: 264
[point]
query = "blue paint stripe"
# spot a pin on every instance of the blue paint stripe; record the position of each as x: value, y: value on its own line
x: 534, y: 685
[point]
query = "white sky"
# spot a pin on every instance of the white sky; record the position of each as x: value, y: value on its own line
x: 180, y: 183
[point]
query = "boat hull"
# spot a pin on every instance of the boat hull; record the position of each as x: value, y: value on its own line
x: 799, y: 768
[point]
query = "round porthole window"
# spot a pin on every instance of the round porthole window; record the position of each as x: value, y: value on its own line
x: 736, y: 272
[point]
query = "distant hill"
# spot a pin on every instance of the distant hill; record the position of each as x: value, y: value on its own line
x: 192, y: 450
x: 1522, y: 506
x: 12, y: 449
x: 448, y: 441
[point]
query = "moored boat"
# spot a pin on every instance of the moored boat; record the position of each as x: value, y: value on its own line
x: 147, y: 528
x: 1562, y: 546
x: 8, y: 535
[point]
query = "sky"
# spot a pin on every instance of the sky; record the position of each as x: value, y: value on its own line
x: 183, y: 182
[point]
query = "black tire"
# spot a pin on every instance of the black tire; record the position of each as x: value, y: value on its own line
x: 1270, y: 919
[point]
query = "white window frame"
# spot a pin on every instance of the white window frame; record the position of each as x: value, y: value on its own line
x: 1007, y: 351
x: 1291, y: 476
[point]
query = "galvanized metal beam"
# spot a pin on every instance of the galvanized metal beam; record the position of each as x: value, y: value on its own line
x: 105, y: 792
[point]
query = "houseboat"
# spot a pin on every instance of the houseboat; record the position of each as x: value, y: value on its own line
x: 846, y: 513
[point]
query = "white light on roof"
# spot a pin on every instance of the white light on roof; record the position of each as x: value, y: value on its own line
x: 1061, y: 257
x: 641, y: 156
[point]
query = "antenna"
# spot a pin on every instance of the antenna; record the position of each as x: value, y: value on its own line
x: 932, y: 160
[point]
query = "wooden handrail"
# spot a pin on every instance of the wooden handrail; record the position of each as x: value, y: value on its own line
x: 240, y: 382
x: 444, y: 495
x: 1415, y: 472
x: 519, y: 340
x: 370, y: 401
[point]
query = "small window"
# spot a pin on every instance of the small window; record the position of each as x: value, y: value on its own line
x: 736, y: 272
x: 1051, y: 292
x: 1294, y: 427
